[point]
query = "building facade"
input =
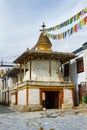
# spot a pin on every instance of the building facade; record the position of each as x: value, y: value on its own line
x: 39, y: 83
x: 78, y: 72
x: 5, y: 89
x: 0, y: 90
x: 4, y: 83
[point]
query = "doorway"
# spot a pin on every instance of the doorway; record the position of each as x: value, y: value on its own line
x: 52, y: 99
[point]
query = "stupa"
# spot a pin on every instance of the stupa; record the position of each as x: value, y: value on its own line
x: 42, y: 84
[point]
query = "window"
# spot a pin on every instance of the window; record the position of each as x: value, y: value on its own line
x: 66, y: 70
x: 80, y: 67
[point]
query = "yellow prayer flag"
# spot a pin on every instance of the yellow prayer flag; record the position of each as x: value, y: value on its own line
x: 54, y: 28
x: 77, y: 16
x: 85, y: 9
x: 82, y: 22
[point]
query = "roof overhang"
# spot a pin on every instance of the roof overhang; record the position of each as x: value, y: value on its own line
x: 34, y: 54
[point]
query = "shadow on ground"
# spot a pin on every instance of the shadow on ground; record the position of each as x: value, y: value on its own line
x: 5, y: 109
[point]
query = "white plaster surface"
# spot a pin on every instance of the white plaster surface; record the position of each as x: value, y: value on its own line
x: 34, y: 96
x: 10, y: 82
x: 85, y: 63
x: 40, y: 71
x: 67, y: 95
x: 77, y: 78
x: 22, y: 97
x: 12, y: 99
x: 68, y: 101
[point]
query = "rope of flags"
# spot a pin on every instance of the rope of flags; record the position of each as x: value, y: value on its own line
x: 70, y: 31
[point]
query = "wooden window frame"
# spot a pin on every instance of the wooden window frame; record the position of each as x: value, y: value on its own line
x: 80, y: 65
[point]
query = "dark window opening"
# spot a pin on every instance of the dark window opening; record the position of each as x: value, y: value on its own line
x: 66, y: 70
x: 80, y: 66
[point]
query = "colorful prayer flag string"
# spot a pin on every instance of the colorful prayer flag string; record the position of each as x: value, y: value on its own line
x: 70, y: 31
x: 67, y: 22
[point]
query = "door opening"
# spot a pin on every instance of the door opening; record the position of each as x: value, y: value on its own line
x: 52, y: 99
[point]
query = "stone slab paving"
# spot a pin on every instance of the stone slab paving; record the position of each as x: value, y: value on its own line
x: 43, y: 120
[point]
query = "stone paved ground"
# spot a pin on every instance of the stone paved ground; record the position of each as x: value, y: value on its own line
x: 75, y: 119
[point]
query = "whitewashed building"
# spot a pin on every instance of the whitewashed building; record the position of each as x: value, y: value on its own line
x: 40, y: 82
x: 5, y: 89
x: 4, y: 83
x: 78, y: 72
x: 0, y: 90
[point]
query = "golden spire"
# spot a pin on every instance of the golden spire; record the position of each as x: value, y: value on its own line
x: 43, y: 41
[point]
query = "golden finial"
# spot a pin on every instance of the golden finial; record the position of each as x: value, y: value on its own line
x: 43, y: 26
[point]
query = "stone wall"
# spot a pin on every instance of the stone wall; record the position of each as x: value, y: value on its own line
x: 29, y: 108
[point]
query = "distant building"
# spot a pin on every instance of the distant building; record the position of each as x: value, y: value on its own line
x: 4, y: 88
x: 39, y: 83
x: 0, y: 90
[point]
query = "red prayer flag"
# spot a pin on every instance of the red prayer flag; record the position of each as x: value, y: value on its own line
x: 85, y: 20
x: 76, y: 27
x: 58, y: 36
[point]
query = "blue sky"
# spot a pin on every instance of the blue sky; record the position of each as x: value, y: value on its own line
x: 21, y: 20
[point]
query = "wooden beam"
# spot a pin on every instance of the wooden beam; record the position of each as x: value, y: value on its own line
x: 26, y: 96
x: 30, y: 68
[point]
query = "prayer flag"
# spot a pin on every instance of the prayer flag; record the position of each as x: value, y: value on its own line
x: 58, y: 36
x: 70, y: 21
x: 85, y: 20
x: 82, y: 22
x: 85, y: 9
